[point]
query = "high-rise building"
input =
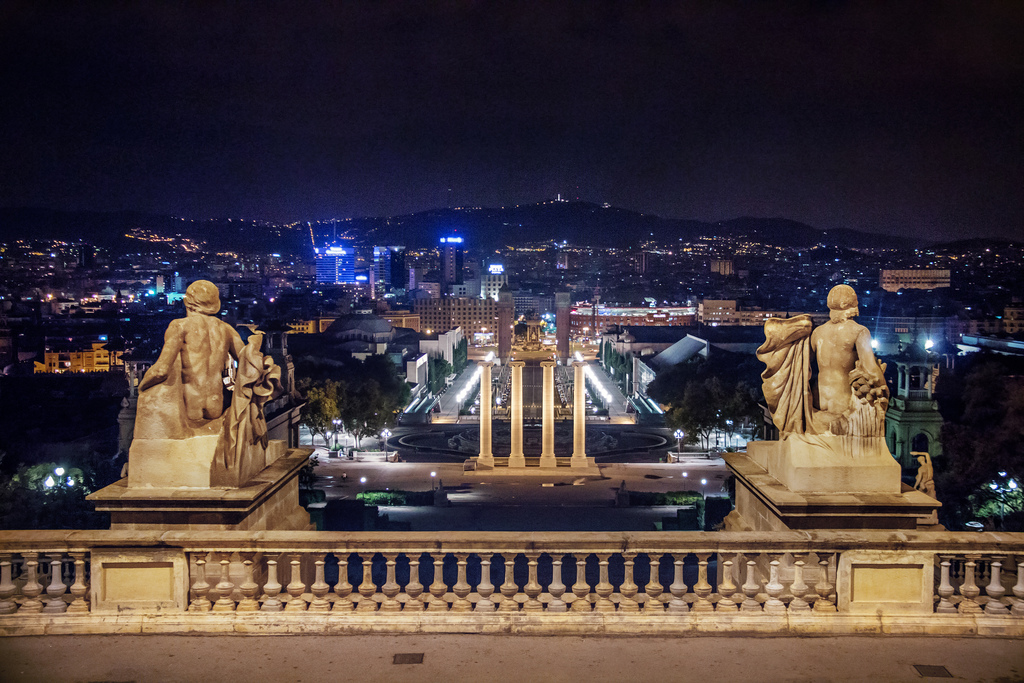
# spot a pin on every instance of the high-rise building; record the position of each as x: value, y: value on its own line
x: 492, y: 281
x: 451, y: 261
x: 336, y: 265
x: 388, y: 268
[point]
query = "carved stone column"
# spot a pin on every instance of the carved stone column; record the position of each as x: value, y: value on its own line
x: 516, y: 458
x: 485, y: 458
x: 547, y: 453
x: 579, y: 417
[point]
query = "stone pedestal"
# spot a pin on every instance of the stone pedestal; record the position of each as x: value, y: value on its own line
x: 782, y: 485
x: 269, y: 500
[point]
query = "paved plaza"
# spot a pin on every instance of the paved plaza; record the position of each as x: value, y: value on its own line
x: 468, y: 657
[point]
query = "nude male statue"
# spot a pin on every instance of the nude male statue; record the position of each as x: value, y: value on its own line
x: 849, y: 395
x: 842, y: 348
x: 204, y: 344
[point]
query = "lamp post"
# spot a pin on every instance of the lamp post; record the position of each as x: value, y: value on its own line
x: 679, y: 434
x: 384, y: 435
x: 337, y: 428
x: 728, y: 433
x: 1011, y: 485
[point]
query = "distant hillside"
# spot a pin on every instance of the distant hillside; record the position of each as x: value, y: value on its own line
x: 578, y: 223
x: 590, y: 224
x: 110, y: 230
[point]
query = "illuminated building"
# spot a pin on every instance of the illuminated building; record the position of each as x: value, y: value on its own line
x: 895, y: 280
x: 336, y: 265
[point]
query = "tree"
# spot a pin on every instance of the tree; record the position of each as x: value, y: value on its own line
x: 982, y: 401
x: 322, y: 405
x: 460, y: 355
x: 369, y: 411
x: 438, y: 370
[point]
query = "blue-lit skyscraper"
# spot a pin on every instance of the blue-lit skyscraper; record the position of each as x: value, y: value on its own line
x: 336, y: 265
x: 451, y: 261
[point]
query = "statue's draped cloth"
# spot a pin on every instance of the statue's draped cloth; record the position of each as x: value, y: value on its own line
x: 786, y: 380
x: 257, y: 380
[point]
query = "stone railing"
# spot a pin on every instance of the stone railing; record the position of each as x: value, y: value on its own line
x: 670, y: 582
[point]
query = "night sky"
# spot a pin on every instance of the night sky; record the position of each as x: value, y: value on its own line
x: 886, y: 117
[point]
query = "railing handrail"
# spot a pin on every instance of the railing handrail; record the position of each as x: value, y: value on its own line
x: 939, y: 542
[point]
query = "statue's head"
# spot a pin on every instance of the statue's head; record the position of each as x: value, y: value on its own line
x: 202, y: 297
x: 842, y: 303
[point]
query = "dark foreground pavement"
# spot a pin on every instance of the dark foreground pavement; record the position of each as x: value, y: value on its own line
x: 452, y: 658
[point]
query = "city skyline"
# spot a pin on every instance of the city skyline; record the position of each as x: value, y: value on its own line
x: 891, y: 120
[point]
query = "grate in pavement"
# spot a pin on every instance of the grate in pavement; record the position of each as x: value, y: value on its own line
x: 932, y: 671
x: 408, y: 658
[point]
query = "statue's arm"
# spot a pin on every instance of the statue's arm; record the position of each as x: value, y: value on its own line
x: 868, y: 362
x: 173, y: 339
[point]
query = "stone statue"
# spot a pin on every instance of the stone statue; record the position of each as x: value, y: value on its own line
x: 925, y: 480
x: 186, y: 432
x: 849, y: 396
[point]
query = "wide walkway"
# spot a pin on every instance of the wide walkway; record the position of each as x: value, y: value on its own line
x: 617, y: 408
x: 449, y: 399
x: 519, y: 658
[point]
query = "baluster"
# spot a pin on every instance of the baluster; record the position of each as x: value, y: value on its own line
x: 55, y: 590
x: 486, y: 588
x: 79, y: 589
x: 969, y: 589
x: 823, y: 587
x: 628, y: 589
x: 556, y: 589
x: 367, y: 588
x: 201, y: 588
x: 7, y: 587
x: 799, y: 587
x: 702, y: 589
x: 461, y: 589
x: 1018, y: 590
x: 654, y: 589
x: 678, y: 589
x: 509, y: 587
x: 751, y: 587
x: 774, y: 587
x: 272, y: 589
x: 391, y: 589
x: 296, y: 587
x: 343, y: 589
x: 604, y: 588
x: 32, y: 587
x: 438, y: 588
x: 414, y: 589
x: 994, y: 590
x: 581, y: 589
x: 945, y: 589
x: 727, y: 588
x: 249, y: 587
x: 532, y: 587
x: 224, y: 587
x: 319, y: 589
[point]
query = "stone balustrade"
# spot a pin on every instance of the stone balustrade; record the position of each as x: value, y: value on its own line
x: 672, y: 582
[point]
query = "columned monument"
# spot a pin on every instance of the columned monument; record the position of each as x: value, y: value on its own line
x: 198, y: 458
x: 547, y: 453
x: 579, y: 416
x: 486, y: 457
x: 516, y: 457
x: 831, y: 467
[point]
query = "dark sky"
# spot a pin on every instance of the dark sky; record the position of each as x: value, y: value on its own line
x: 890, y: 117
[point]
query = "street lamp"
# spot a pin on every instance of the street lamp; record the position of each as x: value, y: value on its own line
x: 384, y: 435
x: 1011, y: 485
x: 337, y: 428
x: 679, y: 434
x: 728, y: 423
